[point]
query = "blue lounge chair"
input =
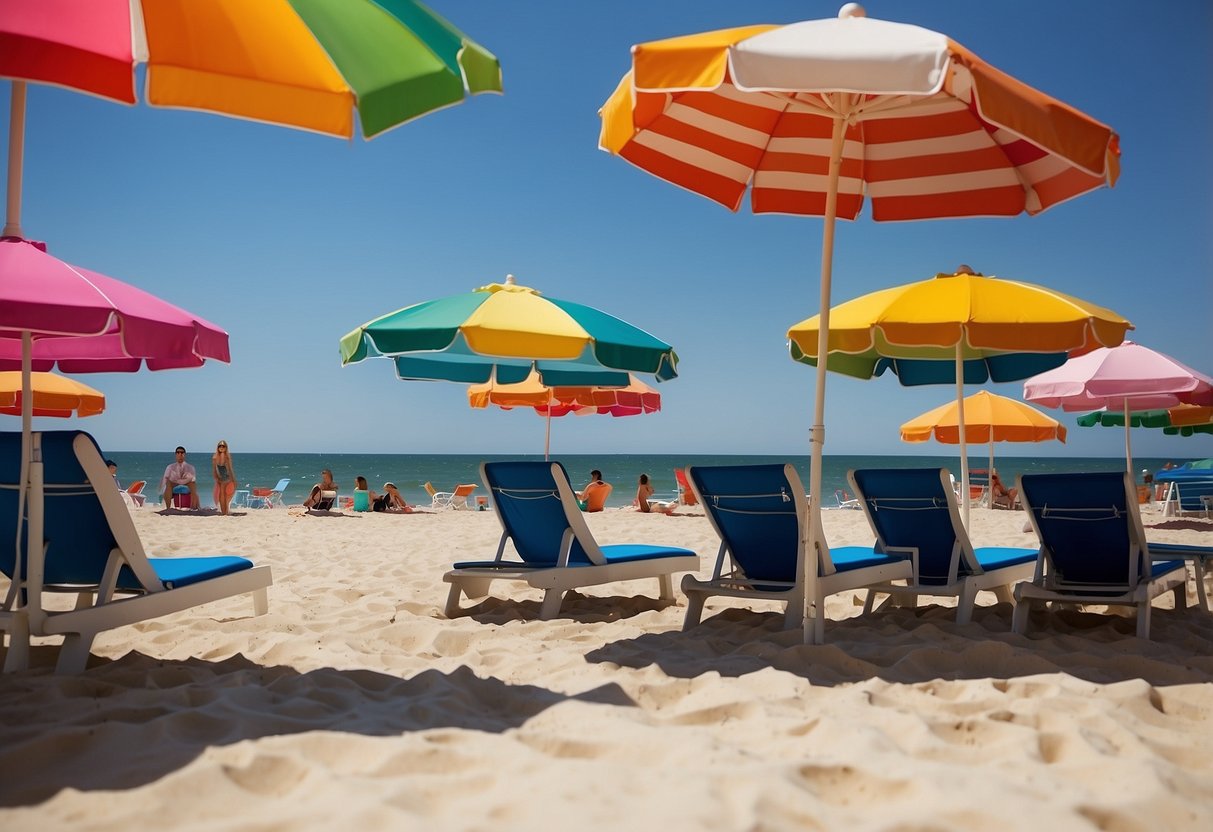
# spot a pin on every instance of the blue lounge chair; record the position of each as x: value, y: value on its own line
x: 92, y: 549
x: 539, y: 515
x: 1093, y: 547
x: 913, y: 513
x: 759, y: 511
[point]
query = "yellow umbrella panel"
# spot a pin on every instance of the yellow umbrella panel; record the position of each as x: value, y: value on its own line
x: 53, y: 395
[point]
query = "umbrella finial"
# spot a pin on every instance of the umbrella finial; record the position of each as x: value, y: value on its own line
x: 852, y: 10
x: 964, y: 269
x: 509, y: 280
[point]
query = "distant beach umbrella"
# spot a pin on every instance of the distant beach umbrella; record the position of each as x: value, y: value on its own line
x: 635, y: 399
x: 54, y: 395
x: 1129, y: 377
x: 502, y: 333
x: 1181, y: 420
x: 955, y: 329
x: 813, y: 116
x: 987, y: 419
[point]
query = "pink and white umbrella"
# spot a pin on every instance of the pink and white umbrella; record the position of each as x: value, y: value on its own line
x: 53, y: 314
x: 1128, y: 377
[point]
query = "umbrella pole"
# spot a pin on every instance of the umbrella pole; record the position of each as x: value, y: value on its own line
x: 1128, y: 448
x: 16, y: 155
x: 817, y: 436
x: 960, y: 423
x: 990, y: 470
x: 547, y: 437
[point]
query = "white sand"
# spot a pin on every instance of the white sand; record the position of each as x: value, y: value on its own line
x: 355, y: 704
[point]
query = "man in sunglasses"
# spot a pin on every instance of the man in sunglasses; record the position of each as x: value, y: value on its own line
x: 178, y: 473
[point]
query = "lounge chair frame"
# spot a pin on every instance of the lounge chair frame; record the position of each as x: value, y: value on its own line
x: 579, y: 560
x: 788, y: 492
x: 1143, y: 581
x: 965, y: 575
x: 98, y: 605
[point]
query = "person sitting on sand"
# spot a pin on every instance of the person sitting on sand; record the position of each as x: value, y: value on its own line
x: 644, y: 490
x: 317, y: 499
x: 594, y: 496
x: 179, y: 473
x: 391, y: 501
x: 1000, y: 495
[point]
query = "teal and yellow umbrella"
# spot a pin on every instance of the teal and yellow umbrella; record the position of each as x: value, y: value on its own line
x: 503, y: 332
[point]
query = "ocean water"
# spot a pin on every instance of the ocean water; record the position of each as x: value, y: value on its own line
x: 410, y: 471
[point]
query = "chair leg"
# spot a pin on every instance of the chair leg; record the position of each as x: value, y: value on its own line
x: 965, y: 603
x: 819, y: 621
x: 1202, y: 597
x: 261, y: 601
x: 1143, y: 619
x: 73, y: 655
x: 452, y: 601
x: 665, y: 587
x: 695, y: 602
x: 551, y: 604
x: 1180, y: 594
x: 17, y: 657
x: 1004, y: 595
x: 1019, y: 618
x: 867, y: 602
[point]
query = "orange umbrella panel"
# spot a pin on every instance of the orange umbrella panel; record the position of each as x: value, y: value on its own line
x: 54, y: 395
x: 987, y: 418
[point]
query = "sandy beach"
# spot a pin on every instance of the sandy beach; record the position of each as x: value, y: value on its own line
x: 356, y: 704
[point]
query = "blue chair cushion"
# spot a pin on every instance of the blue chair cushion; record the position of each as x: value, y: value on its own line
x: 178, y: 572
x: 1161, y: 567
x: 847, y: 558
x: 998, y: 557
x: 625, y: 552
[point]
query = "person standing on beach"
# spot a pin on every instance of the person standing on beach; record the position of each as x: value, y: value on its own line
x: 224, y: 473
x: 179, y: 473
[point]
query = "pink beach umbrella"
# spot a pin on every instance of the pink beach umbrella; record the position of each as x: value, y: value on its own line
x: 1128, y: 377
x: 53, y: 314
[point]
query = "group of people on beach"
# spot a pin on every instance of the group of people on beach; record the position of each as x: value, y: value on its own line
x: 182, y: 474
x: 594, y: 496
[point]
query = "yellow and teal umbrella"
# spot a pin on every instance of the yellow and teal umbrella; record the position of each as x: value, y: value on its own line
x: 957, y: 328
x: 503, y: 332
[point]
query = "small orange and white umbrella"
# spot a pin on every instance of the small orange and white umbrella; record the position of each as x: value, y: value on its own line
x: 633, y: 400
x: 54, y: 395
x: 987, y: 419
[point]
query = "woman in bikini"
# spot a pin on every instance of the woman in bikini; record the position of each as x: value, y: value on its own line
x: 224, y: 473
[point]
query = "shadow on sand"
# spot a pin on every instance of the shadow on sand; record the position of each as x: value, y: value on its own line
x: 129, y: 722
x: 925, y: 644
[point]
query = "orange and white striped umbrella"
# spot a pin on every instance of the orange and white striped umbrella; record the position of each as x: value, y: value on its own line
x: 930, y: 130
x: 814, y: 116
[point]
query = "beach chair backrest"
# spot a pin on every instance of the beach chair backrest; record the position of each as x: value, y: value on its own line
x: 1085, y: 527
x: 78, y: 533
x: 915, y: 508
x: 136, y: 487
x: 756, y: 510
x: 529, y: 505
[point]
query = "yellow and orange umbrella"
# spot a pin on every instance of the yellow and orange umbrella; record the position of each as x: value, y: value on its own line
x: 987, y: 419
x: 53, y: 395
x: 633, y: 400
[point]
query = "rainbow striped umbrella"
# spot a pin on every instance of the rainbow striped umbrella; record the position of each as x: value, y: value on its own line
x: 503, y: 332
x: 811, y: 116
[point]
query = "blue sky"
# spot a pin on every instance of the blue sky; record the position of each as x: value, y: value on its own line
x: 289, y: 239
